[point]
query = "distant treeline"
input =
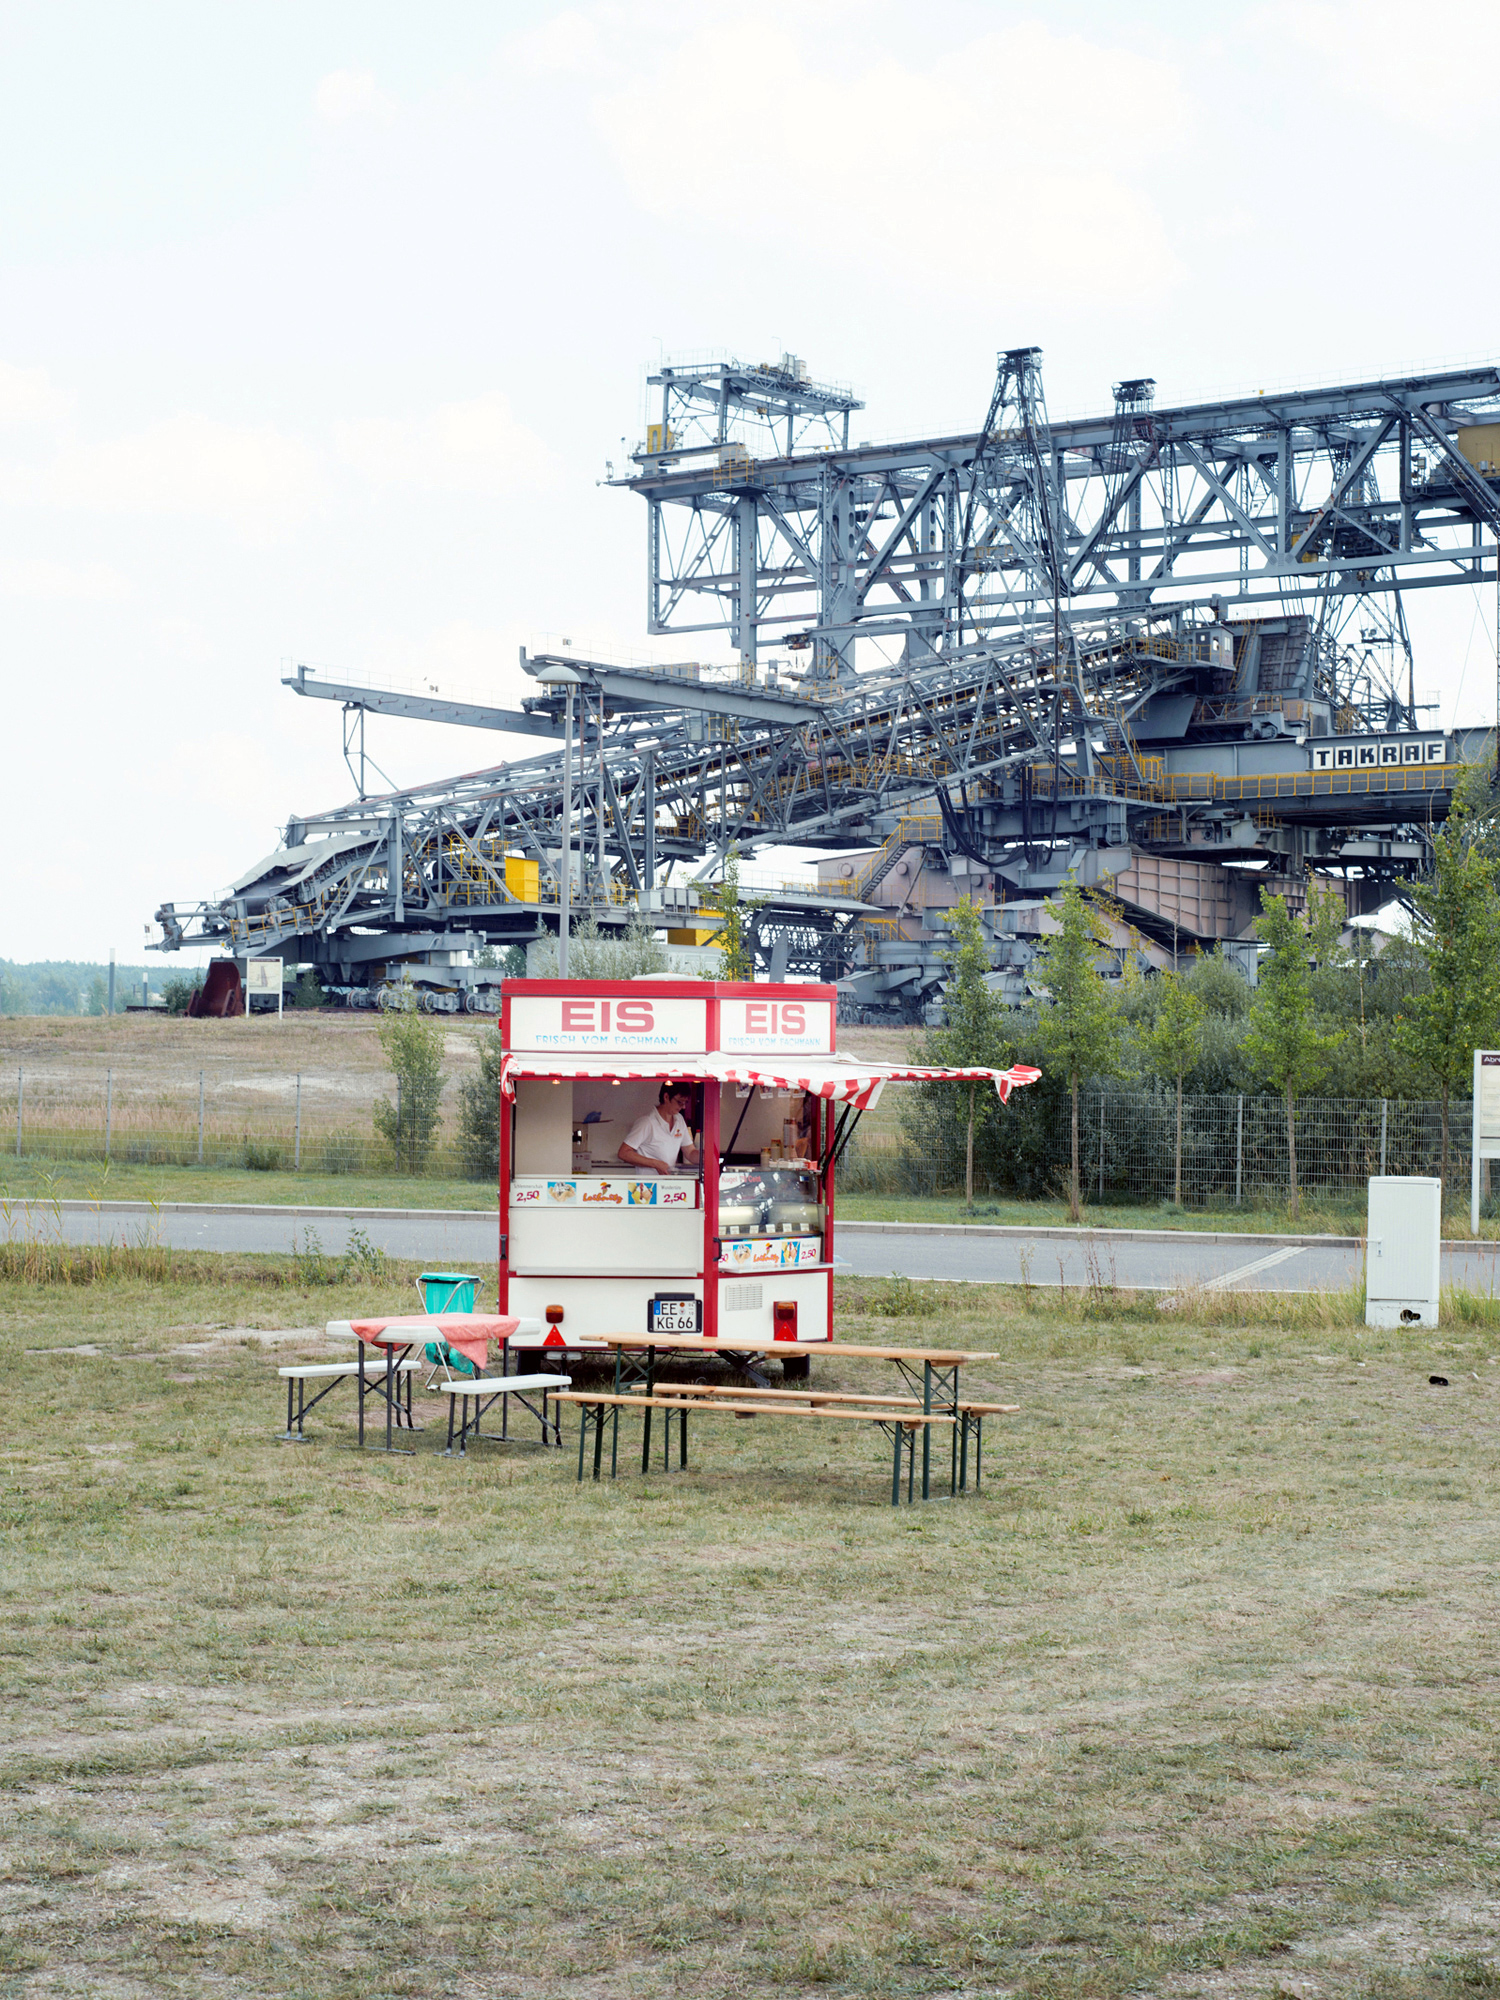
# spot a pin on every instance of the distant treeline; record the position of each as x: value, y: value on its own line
x: 70, y: 986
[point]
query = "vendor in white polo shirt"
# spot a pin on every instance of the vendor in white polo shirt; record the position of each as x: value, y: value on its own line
x: 654, y: 1143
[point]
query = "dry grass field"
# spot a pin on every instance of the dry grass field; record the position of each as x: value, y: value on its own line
x: 313, y: 1040
x: 1198, y: 1696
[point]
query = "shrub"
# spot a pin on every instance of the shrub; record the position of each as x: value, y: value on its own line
x: 479, y: 1113
x: 262, y: 1156
x: 179, y: 990
x: 342, y: 1153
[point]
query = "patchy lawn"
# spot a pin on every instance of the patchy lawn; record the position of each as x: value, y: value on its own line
x: 1197, y: 1696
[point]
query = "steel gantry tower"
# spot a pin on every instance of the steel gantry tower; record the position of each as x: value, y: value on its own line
x: 1152, y: 648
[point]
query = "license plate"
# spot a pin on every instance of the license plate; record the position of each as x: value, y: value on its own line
x: 675, y: 1315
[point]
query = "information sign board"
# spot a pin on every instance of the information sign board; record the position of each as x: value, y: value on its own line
x: 264, y: 977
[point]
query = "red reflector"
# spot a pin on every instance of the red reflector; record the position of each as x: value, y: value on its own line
x: 554, y: 1338
x: 784, y: 1319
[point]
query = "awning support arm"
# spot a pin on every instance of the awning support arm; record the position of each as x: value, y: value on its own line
x: 843, y: 1133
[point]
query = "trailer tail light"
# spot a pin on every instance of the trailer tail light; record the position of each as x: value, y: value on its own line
x: 784, y: 1319
x: 554, y: 1328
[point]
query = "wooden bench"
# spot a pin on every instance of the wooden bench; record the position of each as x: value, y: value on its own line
x: 336, y: 1371
x: 971, y: 1415
x: 485, y: 1390
x: 901, y: 1423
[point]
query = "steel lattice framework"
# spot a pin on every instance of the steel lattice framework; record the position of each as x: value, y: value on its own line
x: 983, y: 637
x: 1317, y: 500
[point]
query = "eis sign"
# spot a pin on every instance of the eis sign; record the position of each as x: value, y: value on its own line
x: 780, y: 1027
x: 647, y: 1023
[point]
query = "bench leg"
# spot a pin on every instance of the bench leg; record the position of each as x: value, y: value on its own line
x: 583, y: 1431
x: 682, y: 1443
x: 898, y: 1434
x: 289, y: 1435
x: 963, y: 1451
x: 614, y: 1444
x: 978, y: 1449
x: 911, y: 1462
x: 361, y: 1379
x: 599, y: 1439
x: 451, y: 1401
x: 646, y: 1441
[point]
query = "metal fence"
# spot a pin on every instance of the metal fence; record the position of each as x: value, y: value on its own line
x: 139, y: 1114
x: 1234, y: 1148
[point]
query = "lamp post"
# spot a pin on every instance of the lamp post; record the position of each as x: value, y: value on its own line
x: 555, y: 674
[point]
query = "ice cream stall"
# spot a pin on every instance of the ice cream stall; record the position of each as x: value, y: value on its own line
x: 668, y: 1155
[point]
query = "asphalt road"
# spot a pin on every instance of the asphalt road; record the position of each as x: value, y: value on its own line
x: 1153, y: 1260
x: 443, y: 1237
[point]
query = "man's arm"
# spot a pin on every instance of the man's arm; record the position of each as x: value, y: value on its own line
x: 644, y: 1161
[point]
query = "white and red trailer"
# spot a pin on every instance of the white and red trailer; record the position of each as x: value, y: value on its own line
x: 740, y: 1247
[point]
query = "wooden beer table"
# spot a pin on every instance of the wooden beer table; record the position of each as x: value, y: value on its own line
x: 930, y: 1373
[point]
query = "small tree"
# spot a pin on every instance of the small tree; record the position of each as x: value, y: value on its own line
x: 1282, y: 1043
x: 734, y: 912
x: 1174, y: 1042
x: 1081, y: 1029
x: 970, y: 1037
x: 413, y: 1048
x: 1457, y: 931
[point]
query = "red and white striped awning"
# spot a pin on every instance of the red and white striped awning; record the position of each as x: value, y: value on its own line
x: 842, y: 1080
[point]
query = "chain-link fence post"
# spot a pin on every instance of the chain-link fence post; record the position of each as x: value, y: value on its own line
x: 109, y: 1108
x: 1239, y: 1150
x: 1384, y: 1105
x: 20, y: 1100
x: 297, y: 1140
x: 200, y: 1118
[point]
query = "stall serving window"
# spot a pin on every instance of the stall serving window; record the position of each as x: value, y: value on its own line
x: 770, y: 1212
x: 574, y: 1205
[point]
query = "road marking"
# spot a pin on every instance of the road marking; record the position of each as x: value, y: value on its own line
x: 1249, y: 1270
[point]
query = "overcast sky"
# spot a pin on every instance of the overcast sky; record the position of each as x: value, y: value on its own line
x: 319, y: 322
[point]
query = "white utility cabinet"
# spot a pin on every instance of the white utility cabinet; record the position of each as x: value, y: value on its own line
x: 1402, y: 1262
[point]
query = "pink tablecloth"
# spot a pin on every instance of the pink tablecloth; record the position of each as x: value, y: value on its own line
x: 469, y: 1334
